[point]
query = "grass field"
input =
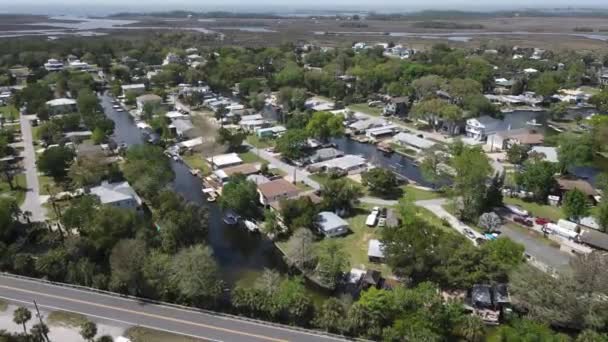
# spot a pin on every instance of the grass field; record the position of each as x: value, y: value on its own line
x: 9, y: 112
x: 20, y: 188
x: 140, y: 334
x: 250, y: 157
x: 66, y: 319
x: 196, y: 161
x: 416, y: 194
x: 259, y: 143
x: 540, y: 210
x: 47, y: 183
x: 364, y: 108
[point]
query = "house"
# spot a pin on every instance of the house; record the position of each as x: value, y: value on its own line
x: 62, y: 106
x: 381, y: 132
x: 568, y: 184
x: 258, y: 179
x: 480, y: 300
x: 371, y: 278
x: 137, y: 89
x: 411, y: 140
x: 602, y: 77
x: 397, y: 106
x: 247, y: 169
x: 20, y: 74
x: 253, y: 125
x: 325, y: 154
x: 479, y: 128
x: 53, y: 65
x: 276, y: 190
x: 182, y: 128
x: 546, y: 153
x: 175, y: 115
x: 270, y: 132
x: 5, y: 97
x: 347, y: 164
x: 79, y: 65
x: 319, y: 104
x: 530, y: 71
x: 224, y: 160
x: 504, y: 140
x: 362, y: 125
x: 171, y: 58
x: 120, y: 195
x: 150, y: 99
x: 375, y: 251
x: 330, y: 224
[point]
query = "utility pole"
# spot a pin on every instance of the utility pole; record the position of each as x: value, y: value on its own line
x: 39, y: 315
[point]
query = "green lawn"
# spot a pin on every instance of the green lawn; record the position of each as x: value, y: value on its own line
x: 196, y: 161
x: 419, y: 194
x: 66, y: 319
x: 364, y: 108
x: 19, y: 185
x: 255, y: 141
x: 140, y: 334
x: 9, y: 112
x: 47, y: 183
x: 540, y: 210
x: 250, y: 157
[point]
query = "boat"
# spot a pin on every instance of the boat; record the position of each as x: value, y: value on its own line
x: 251, y: 226
x: 382, y: 147
x: 212, y: 198
x: 115, y: 106
x: 120, y: 110
x: 231, y: 219
x: 533, y: 123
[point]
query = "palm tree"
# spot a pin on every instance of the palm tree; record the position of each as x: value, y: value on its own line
x: 88, y: 330
x: 21, y: 316
x: 40, y: 332
x: 471, y: 328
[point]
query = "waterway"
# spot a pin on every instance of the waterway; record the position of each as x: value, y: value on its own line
x: 240, y: 255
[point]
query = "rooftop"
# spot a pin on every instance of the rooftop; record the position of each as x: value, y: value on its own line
x: 61, y: 102
x: 225, y: 159
x: 549, y: 153
x: 567, y: 184
x: 115, y: 192
x: 276, y: 188
x: 413, y: 140
x: 328, y: 221
x: 149, y: 97
x: 346, y: 162
x: 244, y: 169
x: 594, y: 238
x: 375, y: 249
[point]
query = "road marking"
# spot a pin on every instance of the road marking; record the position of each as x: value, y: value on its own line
x: 176, y: 320
x: 131, y: 324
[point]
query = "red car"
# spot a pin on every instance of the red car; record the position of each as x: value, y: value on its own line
x: 541, y: 221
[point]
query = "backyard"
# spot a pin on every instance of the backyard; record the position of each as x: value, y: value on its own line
x: 19, y: 188
x: 364, y: 108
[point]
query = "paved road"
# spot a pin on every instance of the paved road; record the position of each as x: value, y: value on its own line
x: 126, y: 311
x: 436, y: 207
x: 32, y: 201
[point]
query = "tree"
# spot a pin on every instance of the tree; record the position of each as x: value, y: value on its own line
x: 126, y: 261
x: 324, y: 125
x: 182, y: 223
x: 430, y: 167
x: 517, y: 154
x: 271, y: 224
x: 558, y: 110
x: 147, y: 169
x: 299, y: 249
x: 195, y: 275
x: 239, y: 194
x: 575, y: 205
x: 87, y: 171
x: 340, y: 194
x: 331, y: 315
x: 591, y: 336
x: 525, y: 330
x: 88, y: 330
x: 600, y: 101
x: 546, y: 84
x: 478, y: 105
x: 537, y: 177
x: 380, y: 181
x: 291, y: 144
x: 21, y: 316
x: 428, y: 86
x: 331, y: 262
x: 234, y: 140
x: 472, y: 169
x: 574, y: 150
x: 98, y: 136
x: 494, y: 197
x: 298, y: 212
x: 602, y: 214
x: 490, y: 221
x: 40, y: 332
x: 471, y: 328
x: 55, y: 161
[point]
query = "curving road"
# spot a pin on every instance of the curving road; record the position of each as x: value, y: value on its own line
x: 189, y: 322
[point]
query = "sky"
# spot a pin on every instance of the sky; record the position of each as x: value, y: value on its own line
x: 111, y: 6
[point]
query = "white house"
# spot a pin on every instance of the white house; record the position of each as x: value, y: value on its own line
x: 62, y: 106
x: 411, y: 140
x: 479, y: 128
x: 330, y: 224
x: 53, y: 65
x: 349, y: 163
x: 136, y: 89
x: 120, y: 195
x: 181, y: 127
x: 225, y: 160
x: 171, y: 58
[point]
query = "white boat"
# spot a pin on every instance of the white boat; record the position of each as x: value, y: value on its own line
x: 211, y: 198
x: 115, y: 106
x: 120, y: 110
x: 533, y: 123
x: 251, y: 226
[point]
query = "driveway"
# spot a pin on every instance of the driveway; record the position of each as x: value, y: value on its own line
x: 436, y: 207
x: 32, y: 202
x: 301, y: 175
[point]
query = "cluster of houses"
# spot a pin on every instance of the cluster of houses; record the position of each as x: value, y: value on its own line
x: 71, y: 63
x: 389, y: 50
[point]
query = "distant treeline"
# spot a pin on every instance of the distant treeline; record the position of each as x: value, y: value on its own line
x: 446, y: 15
x: 447, y: 25
x: 198, y: 15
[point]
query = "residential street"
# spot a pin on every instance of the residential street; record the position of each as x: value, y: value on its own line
x: 32, y: 201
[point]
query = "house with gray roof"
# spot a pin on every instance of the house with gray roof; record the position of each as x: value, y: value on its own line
x: 330, y: 224
x: 119, y: 195
x: 375, y: 251
x: 324, y: 154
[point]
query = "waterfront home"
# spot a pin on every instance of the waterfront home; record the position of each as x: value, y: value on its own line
x: 325, y: 154
x: 137, y: 89
x: 276, y: 190
x: 504, y: 140
x: 347, y: 164
x: 396, y: 106
x: 224, y: 160
x: 381, y: 132
x: 53, y: 65
x: 330, y: 224
x: 182, y: 128
x: 62, y: 106
x: 318, y: 104
x: 362, y: 125
x: 270, y: 132
x: 410, y: 140
x: 546, y: 153
x: 479, y: 128
x: 258, y: 179
x: 151, y: 99
x: 247, y: 169
x: 253, y: 125
x: 375, y: 251
x: 120, y: 195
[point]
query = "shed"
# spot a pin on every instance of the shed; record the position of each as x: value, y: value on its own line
x: 375, y: 251
x: 331, y: 224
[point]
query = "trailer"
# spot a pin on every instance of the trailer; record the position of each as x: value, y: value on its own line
x: 553, y: 228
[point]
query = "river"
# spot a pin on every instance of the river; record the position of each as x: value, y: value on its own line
x: 240, y: 255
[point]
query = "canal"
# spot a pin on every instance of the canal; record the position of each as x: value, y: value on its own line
x: 240, y: 255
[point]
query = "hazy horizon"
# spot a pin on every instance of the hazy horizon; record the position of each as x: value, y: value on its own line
x: 104, y: 7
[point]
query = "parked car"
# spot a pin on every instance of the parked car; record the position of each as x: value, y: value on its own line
x: 541, y: 221
x: 381, y: 222
x: 517, y: 210
x: 469, y: 233
x: 523, y: 221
